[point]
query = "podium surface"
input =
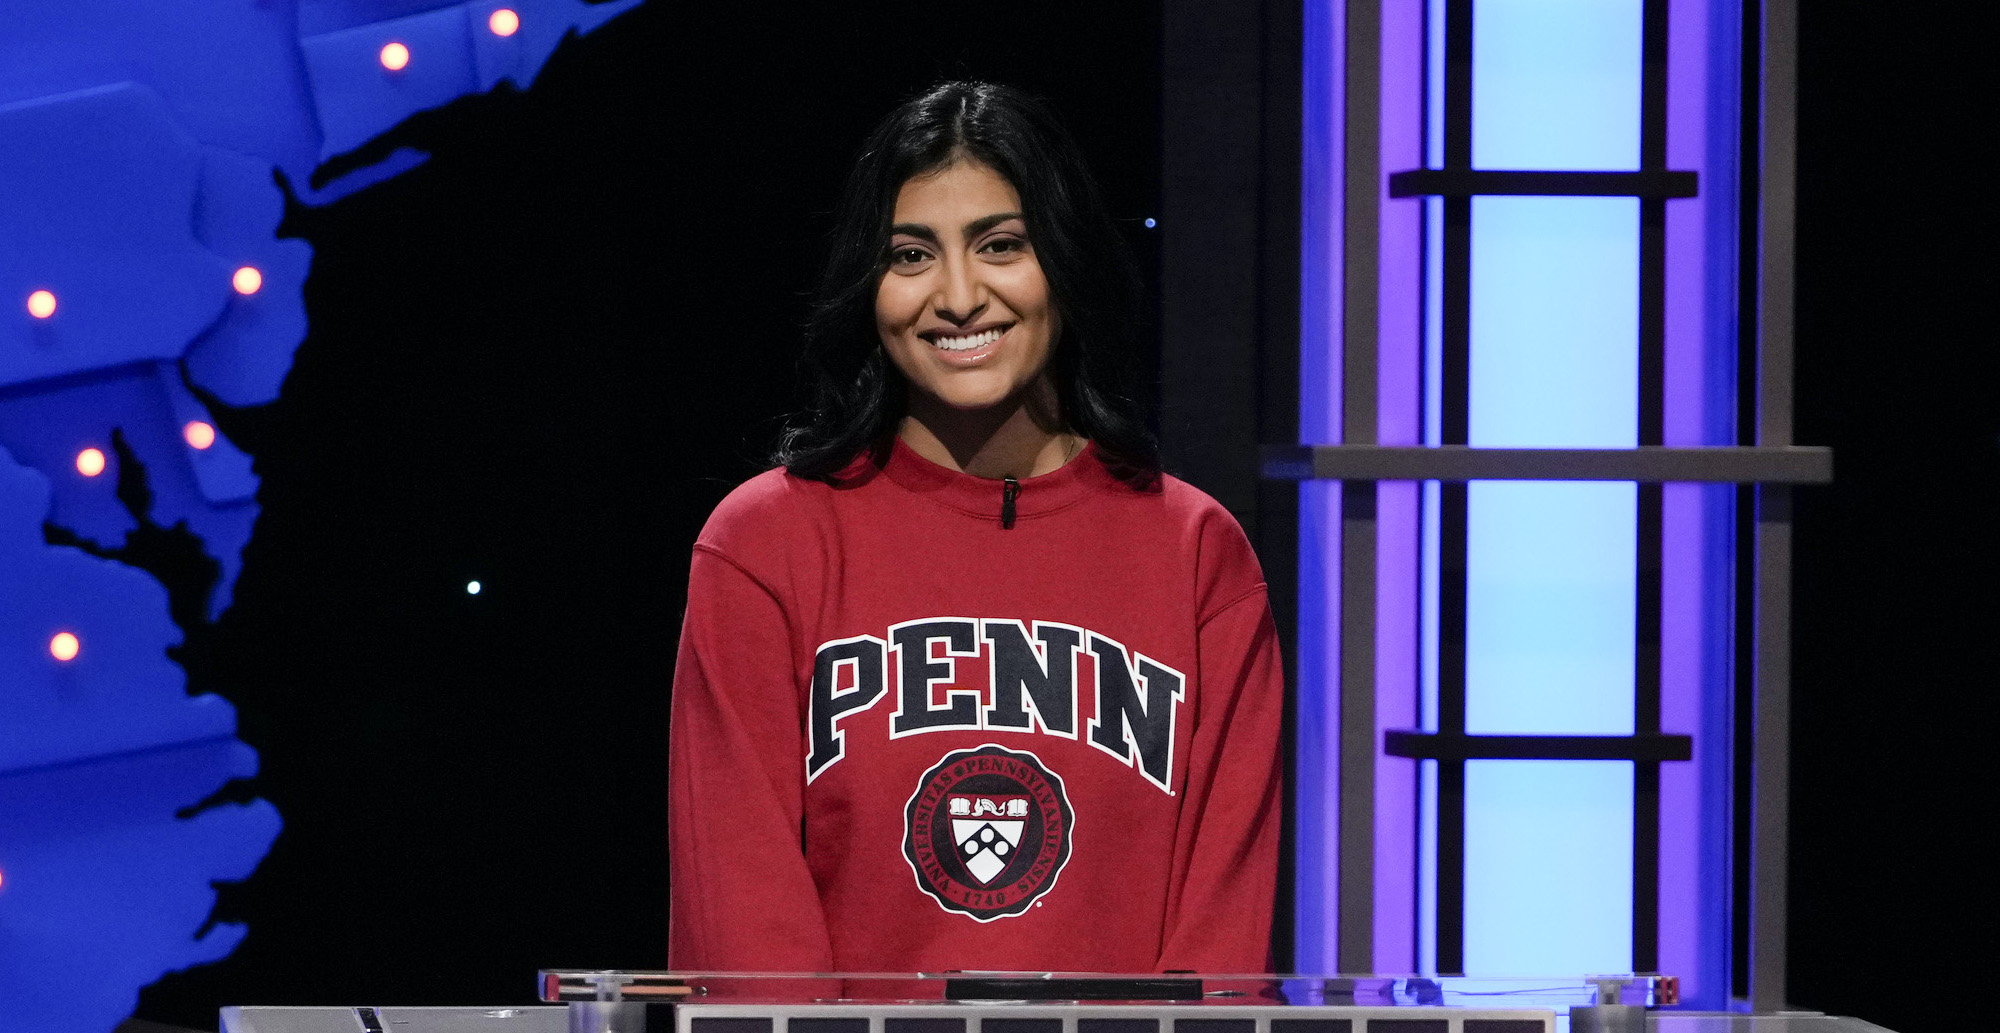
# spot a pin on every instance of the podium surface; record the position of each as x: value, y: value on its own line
x: 579, y: 1001
x: 554, y: 1019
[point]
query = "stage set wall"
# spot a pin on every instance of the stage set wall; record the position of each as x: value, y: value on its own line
x: 523, y: 316
x: 1857, y: 758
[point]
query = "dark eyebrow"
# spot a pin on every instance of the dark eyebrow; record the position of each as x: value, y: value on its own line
x: 984, y: 223
x: 972, y: 229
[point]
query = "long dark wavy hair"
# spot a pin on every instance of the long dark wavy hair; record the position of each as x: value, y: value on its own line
x: 857, y: 394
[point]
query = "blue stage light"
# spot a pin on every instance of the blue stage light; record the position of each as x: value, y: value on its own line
x: 1549, y: 585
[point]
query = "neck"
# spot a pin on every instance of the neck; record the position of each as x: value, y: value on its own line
x: 1020, y: 438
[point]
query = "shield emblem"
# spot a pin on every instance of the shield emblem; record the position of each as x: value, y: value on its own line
x: 987, y: 828
x: 987, y: 831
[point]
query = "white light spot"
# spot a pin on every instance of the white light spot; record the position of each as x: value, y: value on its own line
x: 472, y: 587
x: 90, y: 462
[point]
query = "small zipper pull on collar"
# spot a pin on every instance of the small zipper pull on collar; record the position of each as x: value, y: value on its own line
x: 1010, y: 489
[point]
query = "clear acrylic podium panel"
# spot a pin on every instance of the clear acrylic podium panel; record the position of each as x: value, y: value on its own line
x: 1179, y: 989
x: 578, y: 1001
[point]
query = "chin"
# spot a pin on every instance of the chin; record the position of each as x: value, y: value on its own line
x: 974, y: 397
x: 979, y: 403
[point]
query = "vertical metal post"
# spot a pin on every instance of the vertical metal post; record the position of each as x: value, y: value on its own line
x: 1649, y: 579
x: 1454, y: 499
x: 1771, y: 707
x: 1361, y: 200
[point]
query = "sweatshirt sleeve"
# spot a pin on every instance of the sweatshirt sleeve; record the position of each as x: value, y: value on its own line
x: 1226, y: 852
x: 742, y: 898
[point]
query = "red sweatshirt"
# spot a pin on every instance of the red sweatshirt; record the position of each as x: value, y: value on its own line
x: 908, y: 738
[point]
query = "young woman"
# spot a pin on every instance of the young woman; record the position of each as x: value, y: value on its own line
x: 968, y: 683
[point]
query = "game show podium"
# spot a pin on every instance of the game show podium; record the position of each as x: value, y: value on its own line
x: 1024, y: 1002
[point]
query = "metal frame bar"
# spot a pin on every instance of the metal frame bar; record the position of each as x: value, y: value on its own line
x: 1455, y: 431
x: 1792, y: 464
x: 1429, y: 746
x: 1771, y: 722
x: 1648, y: 579
x: 1656, y: 183
x: 1360, y: 278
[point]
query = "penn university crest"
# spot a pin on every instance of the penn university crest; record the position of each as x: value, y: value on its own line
x: 987, y: 831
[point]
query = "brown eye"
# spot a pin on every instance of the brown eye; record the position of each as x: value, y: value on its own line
x: 908, y: 256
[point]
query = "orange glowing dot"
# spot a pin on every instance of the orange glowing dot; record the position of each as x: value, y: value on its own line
x: 199, y: 435
x: 64, y: 646
x: 247, y: 280
x: 41, y: 304
x: 504, y: 22
x: 395, y: 56
x: 90, y: 462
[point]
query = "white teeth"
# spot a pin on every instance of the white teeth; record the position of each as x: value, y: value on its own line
x: 966, y: 344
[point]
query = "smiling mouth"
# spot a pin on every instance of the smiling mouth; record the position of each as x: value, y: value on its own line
x: 968, y: 342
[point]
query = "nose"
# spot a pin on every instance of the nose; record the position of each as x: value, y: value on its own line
x: 961, y: 296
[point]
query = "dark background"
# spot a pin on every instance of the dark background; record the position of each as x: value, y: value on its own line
x: 540, y: 359
x: 1897, y: 562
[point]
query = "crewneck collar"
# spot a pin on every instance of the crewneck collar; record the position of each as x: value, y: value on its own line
x: 981, y: 497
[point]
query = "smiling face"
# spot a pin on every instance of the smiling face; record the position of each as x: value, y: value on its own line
x: 964, y: 309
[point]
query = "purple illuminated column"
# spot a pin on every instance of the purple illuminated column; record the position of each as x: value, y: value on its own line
x: 1698, y: 529
x: 1316, y: 821
x: 1400, y: 422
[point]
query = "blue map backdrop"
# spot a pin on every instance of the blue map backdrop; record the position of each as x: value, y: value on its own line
x: 145, y: 154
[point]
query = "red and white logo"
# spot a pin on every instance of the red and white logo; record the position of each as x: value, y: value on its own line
x: 987, y: 831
